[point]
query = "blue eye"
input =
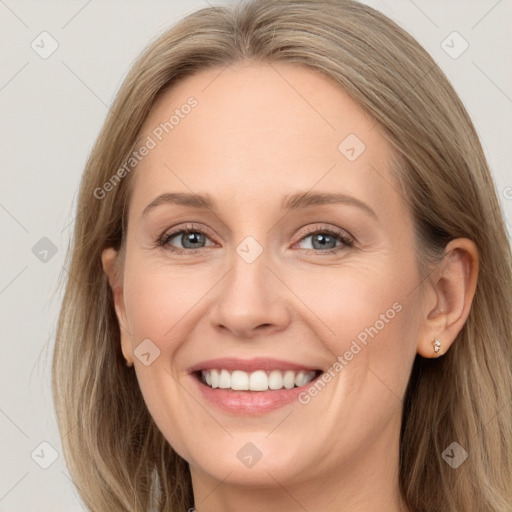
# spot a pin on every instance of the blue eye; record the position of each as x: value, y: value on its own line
x: 324, y: 239
x: 192, y: 239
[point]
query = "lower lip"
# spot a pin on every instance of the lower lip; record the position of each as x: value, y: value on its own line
x: 246, y: 403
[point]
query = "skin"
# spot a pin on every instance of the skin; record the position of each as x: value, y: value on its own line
x: 258, y: 133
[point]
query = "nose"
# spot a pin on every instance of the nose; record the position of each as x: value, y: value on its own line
x: 252, y: 301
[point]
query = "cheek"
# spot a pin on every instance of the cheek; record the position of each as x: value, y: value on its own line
x: 367, y: 320
x: 158, y: 298
x: 366, y: 316
x: 159, y: 301
x: 346, y: 302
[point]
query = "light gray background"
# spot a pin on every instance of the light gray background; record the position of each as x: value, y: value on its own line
x: 51, y: 113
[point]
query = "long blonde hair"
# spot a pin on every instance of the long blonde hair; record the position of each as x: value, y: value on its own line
x: 116, y: 455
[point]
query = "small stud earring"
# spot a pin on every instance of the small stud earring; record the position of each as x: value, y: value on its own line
x: 437, y: 345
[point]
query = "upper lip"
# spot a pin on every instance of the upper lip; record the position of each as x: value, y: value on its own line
x: 249, y: 365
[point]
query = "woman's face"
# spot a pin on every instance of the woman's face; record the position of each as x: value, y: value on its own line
x: 300, y: 255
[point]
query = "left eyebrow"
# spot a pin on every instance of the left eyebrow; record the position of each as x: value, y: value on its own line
x: 290, y: 202
x: 305, y: 199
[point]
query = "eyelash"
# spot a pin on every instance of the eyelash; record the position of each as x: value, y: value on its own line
x: 337, y: 234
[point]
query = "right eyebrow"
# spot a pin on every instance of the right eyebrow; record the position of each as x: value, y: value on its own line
x: 183, y: 199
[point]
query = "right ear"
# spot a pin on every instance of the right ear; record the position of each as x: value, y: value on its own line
x: 109, y: 258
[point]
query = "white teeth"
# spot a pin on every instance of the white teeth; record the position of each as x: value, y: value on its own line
x: 301, y: 379
x: 214, y: 376
x: 258, y: 380
x: 239, y: 380
x: 289, y: 379
x: 224, y: 379
x: 275, y: 380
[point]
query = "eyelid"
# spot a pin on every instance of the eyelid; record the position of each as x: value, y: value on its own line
x: 303, y: 232
x: 189, y: 226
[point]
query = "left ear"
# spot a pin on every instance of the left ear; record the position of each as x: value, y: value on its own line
x: 450, y: 296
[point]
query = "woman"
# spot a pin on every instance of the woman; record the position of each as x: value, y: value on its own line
x: 291, y: 278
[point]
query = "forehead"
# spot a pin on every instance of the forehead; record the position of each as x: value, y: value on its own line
x: 256, y: 131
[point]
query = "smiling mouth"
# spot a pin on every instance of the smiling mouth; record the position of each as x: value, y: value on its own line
x: 259, y: 380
